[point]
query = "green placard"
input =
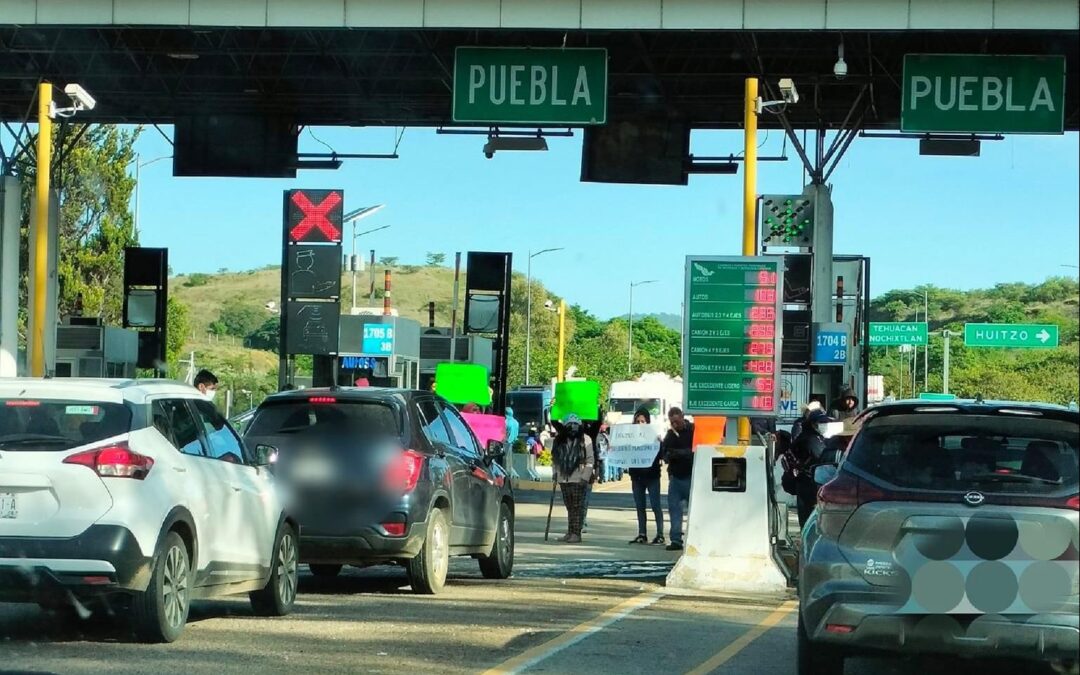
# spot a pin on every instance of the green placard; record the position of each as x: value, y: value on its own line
x: 891, y: 333
x: 1016, y: 335
x: 530, y: 86
x: 579, y: 397
x: 463, y: 383
x: 977, y: 93
x: 731, y: 336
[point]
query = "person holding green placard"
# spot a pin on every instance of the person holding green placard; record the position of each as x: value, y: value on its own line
x: 573, y: 461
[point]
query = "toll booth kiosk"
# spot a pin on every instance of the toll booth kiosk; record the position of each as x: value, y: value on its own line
x: 85, y: 348
x: 383, y: 351
x: 435, y: 349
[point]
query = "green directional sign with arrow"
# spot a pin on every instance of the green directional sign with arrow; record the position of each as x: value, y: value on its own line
x: 1010, y: 335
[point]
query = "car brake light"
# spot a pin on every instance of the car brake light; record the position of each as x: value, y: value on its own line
x: 22, y: 404
x: 116, y: 461
x: 1073, y: 503
x: 839, y: 628
x: 394, y: 529
x: 840, y: 497
x: 322, y: 400
x: 404, y: 472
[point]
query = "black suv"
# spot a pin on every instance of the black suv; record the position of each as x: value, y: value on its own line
x: 388, y: 476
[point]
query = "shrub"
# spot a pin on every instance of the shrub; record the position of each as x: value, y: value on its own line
x: 197, y: 279
x: 544, y: 459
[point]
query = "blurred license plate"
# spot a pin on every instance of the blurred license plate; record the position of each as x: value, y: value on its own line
x: 8, y: 508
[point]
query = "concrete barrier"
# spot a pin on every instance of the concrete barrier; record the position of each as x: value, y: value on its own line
x: 727, y: 545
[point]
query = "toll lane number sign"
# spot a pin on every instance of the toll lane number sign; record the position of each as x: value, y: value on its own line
x: 533, y: 86
x: 975, y: 93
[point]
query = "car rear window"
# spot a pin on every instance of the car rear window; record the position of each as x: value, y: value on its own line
x: 53, y: 425
x: 339, y: 417
x: 1011, y: 454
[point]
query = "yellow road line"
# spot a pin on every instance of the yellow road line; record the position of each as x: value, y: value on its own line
x: 744, y: 640
x: 531, y: 657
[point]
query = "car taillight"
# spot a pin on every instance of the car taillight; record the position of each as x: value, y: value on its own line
x: 322, y: 400
x: 117, y: 461
x: 394, y: 529
x: 404, y: 472
x: 1073, y: 503
x: 840, y: 497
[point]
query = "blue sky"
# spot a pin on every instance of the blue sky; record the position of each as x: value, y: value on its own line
x: 1012, y: 214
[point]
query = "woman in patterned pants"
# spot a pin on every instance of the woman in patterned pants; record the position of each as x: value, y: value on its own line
x: 573, y: 460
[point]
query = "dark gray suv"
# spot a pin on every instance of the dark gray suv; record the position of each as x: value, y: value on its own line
x: 946, y: 528
x: 381, y: 476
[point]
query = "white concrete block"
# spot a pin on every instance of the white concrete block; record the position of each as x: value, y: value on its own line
x: 99, y: 12
x: 1036, y: 15
x: 867, y: 15
x: 309, y: 13
x: 151, y: 12
x: 703, y: 14
x: 462, y: 13
x: 785, y: 14
x: 961, y: 14
x: 18, y: 11
x: 382, y: 14
x: 228, y: 13
x: 546, y: 14
x: 621, y: 14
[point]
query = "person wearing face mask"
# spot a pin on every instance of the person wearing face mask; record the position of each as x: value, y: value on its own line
x: 207, y: 384
x: 811, y: 449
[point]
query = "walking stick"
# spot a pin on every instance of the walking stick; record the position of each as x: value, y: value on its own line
x: 551, y: 507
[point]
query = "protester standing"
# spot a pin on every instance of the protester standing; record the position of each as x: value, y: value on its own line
x: 573, y: 463
x: 678, y: 449
x: 647, y: 481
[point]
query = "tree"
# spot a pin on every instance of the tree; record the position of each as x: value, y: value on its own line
x: 178, y: 326
x: 95, y: 221
x: 237, y: 319
x: 436, y: 259
x: 266, y: 336
x: 389, y: 261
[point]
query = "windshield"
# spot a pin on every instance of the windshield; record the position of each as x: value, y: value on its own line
x: 338, y: 417
x: 629, y: 406
x: 990, y: 453
x: 35, y: 425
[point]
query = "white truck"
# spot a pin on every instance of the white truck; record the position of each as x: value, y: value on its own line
x: 656, y: 392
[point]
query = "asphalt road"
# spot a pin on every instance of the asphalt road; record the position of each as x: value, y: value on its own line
x: 595, y: 608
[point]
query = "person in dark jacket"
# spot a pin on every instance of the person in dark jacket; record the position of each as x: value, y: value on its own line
x: 811, y: 449
x: 807, y: 410
x: 847, y: 406
x: 647, y: 481
x: 678, y: 450
x: 572, y: 459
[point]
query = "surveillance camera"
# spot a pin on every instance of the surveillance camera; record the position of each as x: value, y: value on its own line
x: 83, y: 100
x: 489, y: 150
x: 788, y: 90
x: 549, y: 304
x: 840, y: 69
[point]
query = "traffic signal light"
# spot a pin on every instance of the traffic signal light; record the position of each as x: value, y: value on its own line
x: 787, y: 220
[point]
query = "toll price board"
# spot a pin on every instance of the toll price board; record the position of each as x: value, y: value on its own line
x: 731, y: 336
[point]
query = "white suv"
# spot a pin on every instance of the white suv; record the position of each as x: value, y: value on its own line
x: 140, y: 491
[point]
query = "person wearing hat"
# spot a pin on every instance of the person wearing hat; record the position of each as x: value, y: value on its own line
x: 805, y: 412
x: 573, y: 461
x: 847, y: 406
x: 811, y: 449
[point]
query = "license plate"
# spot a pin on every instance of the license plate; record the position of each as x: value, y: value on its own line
x: 8, y: 508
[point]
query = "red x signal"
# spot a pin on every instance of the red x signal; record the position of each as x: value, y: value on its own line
x: 314, y: 217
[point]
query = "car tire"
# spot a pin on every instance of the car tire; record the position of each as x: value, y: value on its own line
x: 816, y: 658
x: 499, y: 564
x: 325, y: 571
x: 427, y: 571
x: 279, y: 594
x: 159, y: 613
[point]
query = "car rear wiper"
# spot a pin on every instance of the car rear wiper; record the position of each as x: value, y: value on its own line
x: 1012, y: 478
x: 34, y: 440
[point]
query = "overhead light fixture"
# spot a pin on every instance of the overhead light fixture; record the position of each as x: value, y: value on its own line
x: 183, y: 56
x: 942, y: 147
x: 497, y: 143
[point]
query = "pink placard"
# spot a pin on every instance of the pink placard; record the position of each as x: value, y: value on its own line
x: 486, y: 427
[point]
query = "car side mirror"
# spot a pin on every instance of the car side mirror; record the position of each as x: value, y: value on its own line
x: 495, y: 450
x: 265, y: 455
x: 825, y: 473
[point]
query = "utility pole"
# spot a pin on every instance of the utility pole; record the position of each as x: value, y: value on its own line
x: 749, y: 236
x: 528, y: 312
x: 40, y: 253
x: 926, y: 348
x: 562, y: 339
x: 630, y: 327
x: 945, y: 364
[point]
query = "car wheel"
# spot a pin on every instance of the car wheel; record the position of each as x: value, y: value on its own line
x: 427, y: 571
x: 159, y: 613
x: 815, y: 658
x: 327, y: 571
x: 279, y: 594
x: 499, y: 564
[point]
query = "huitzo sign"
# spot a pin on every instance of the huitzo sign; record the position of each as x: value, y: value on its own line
x: 976, y: 93
x: 1020, y: 335
x: 495, y: 85
x: 893, y: 333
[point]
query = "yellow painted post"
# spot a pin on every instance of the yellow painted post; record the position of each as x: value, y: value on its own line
x: 562, y: 340
x: 41, y: 230
x: 749, y: 239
